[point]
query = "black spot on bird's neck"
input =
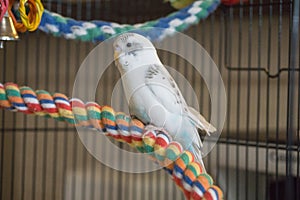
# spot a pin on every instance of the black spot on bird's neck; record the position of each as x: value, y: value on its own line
x: 131, y: 53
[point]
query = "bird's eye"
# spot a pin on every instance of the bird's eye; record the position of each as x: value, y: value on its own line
x: 128, y: 44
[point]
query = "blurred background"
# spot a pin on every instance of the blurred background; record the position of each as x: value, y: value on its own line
x: 257, y: 156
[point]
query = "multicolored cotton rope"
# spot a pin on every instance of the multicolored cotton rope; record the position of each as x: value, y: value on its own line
x: 68, y: 28
x: 179, y: 163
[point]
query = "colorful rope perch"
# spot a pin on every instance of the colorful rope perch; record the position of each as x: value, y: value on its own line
x: 180, y: 164
x: 68, y: 28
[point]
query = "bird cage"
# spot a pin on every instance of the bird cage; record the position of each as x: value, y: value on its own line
x: 255, y: 46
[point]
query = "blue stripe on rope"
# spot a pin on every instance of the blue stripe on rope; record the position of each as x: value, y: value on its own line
x: 111, y: 127
x: 123, y: 127
x: 18, y: 105
x: 44, y: 101
x: 60, y: 98
x: 28, y: 96
x: 136, y: 129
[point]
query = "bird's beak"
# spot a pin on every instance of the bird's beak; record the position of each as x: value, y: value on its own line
x: 116, y: 55
x: 117, y: 51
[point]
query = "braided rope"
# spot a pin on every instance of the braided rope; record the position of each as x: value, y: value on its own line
x: 187, y: 174
x: 3, y: 8
x: 68, y: 28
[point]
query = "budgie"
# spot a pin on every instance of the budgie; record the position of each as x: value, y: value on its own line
x: 152, y: 94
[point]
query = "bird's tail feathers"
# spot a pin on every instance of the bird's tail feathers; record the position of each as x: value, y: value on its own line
x: 200, y: 121
x: 190, y: 139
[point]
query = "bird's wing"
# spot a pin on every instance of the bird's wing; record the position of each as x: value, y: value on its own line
x: 165, y: 89
x: 205, y: 125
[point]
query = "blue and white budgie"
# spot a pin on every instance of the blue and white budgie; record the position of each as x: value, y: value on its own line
x: 154, y: 96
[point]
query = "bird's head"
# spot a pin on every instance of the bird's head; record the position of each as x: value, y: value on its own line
x: 128, y: 49
x: 131, y: 42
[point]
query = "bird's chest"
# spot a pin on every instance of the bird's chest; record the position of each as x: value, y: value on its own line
x: 141, y: 100
x: 139, y: 108
x: 134, y: 84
